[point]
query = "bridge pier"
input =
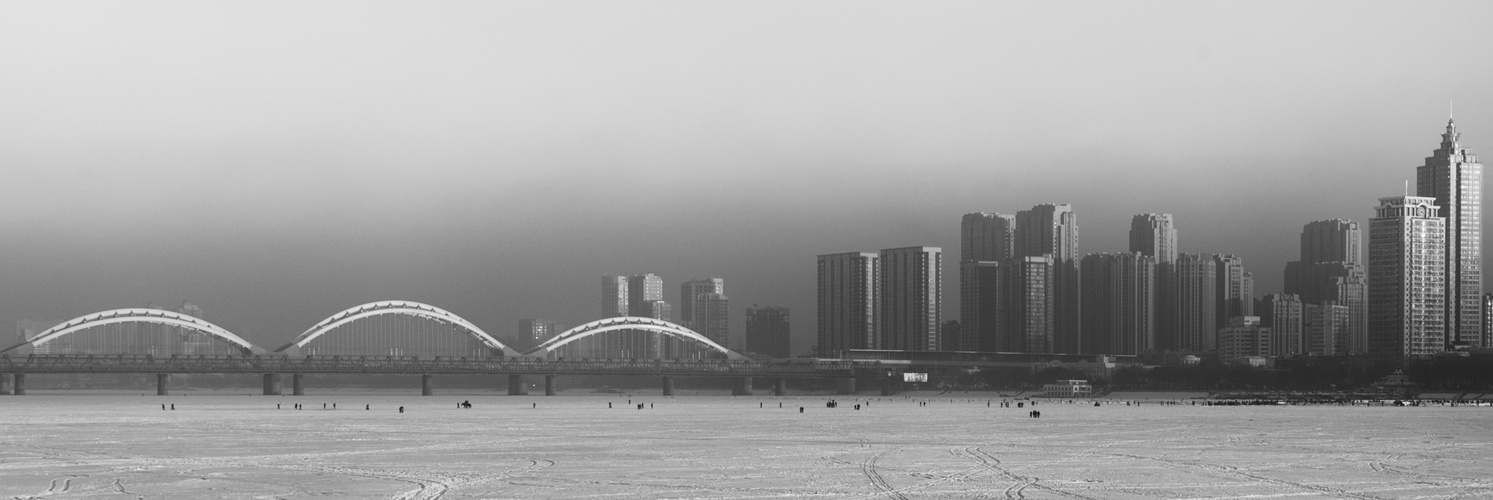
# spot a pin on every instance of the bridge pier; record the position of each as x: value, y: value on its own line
x: 549, y: 385
x: 516, y: 386
x: 272, y: 384
x: 5, y: 387
x: 780, y: 386
x: 888, y: 387
x: 427, y: 388
x: 668, y: 386
x: 161, y: 379
x: 19, y: 386
x: 296, y: 386
x: 845, y: 385
x: 743, y: 387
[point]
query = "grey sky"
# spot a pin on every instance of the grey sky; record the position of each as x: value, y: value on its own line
x: 278, y: 162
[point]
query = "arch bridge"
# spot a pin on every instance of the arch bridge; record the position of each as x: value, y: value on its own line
x: 138, y: 315
x: 399, y: 308
x: 629, y: 323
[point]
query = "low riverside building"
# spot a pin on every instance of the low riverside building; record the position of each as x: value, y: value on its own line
x: 1068, y: 389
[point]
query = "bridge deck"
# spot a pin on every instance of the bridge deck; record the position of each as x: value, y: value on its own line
x: 128, y: 363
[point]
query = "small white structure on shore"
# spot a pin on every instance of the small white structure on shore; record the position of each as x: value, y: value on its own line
x: 1068, y: 389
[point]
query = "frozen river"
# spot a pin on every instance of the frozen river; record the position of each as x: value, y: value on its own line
x: 70, y: 445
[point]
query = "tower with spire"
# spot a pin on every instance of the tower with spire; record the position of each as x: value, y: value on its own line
x: 1453, y: 176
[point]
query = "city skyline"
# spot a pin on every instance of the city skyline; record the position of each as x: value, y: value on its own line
x: 273, y: 171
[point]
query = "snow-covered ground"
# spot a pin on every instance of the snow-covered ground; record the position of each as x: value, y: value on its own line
x: 67, y: 444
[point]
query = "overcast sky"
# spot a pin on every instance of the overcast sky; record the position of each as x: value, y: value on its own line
x: 276, y: 162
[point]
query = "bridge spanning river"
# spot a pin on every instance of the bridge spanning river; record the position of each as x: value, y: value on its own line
x: 297, y: 358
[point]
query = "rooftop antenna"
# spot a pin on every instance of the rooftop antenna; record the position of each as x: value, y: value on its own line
x: 1449, y: 109
x: 1407, y: 187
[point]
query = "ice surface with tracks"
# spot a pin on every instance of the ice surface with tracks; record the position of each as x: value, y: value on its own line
x: 60, y: 444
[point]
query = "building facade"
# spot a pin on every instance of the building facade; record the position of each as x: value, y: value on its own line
x: 1191, y: 304
x: 911, y: 298
x: 1154, y: 235
x: 1284, y: 315
x: 1407, y: 279
x: 1244, y: 336
x: 849, y: 288
x: 1119, y: 303
x: 1234, y: 292
x: 1331, y: 270
x: 768, y: 331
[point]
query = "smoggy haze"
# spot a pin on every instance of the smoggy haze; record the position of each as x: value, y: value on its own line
x: 278, y: 162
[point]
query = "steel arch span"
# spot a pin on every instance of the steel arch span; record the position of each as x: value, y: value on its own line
x: 404, y: 307
x: 155, y: 316
x: 629, y: 323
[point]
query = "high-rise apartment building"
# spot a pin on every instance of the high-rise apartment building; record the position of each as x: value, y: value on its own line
x: 1191, y: 304
x: 614, y: 296
x: 1029, y: 285
x: 1119, y: 303
x: 986, y: 243
x: 704, y: 308
x: 849, y: 287
x: 767, y: 331
x: 1331, y: 270
x: 1407, y: 278
x: 1325, y: 329
x: 532, y: 332
x: 1234, y: 292
x: 987, y: 237
x: 982, y: 305
x: 1454, y: 178
x: 1051, y: 231
x: 911, y: 298
x: 1154, y: 235
x: 1284, y: 315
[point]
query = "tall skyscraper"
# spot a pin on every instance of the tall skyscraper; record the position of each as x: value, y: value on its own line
x: 1154, y: 235
x: 767, y: 331
x: 1325, y: 328
x: 1191, y: 304
x: 1331, y: 270
x: 1119, y: 303
x: 1052, y: 231
x: 911, y: 298
x: 849, y: 299
x: 1454, y: 178
x: 1284, y: 315
x: 1234, y: 292
x: 1407, y: 278
x: 690, y: 292
x: 642, y: 289
x: 986, y: 242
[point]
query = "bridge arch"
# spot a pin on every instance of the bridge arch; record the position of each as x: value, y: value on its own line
x: 139, y: 315
x: 402, y: 307
x: 629, y: 323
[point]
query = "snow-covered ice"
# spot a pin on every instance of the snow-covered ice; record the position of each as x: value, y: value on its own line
x: 61, y: 444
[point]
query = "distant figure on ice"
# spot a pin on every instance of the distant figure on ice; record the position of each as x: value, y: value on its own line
x: 401, y: 409
x: 466, y: 404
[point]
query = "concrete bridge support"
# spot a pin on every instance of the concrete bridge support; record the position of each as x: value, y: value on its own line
x: 19, y: 386
x: 668, y: 386
x: 743, y: 387
x: 780, y: 386
x: 845, y: 385
x: 272, y: 384
x: 297, y: 387
x: 5, y: 386
x: 549, y: 385
x: 427, y: 388
x: 888, y: 387
x: 516, y: 386
x: 161, y: 380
